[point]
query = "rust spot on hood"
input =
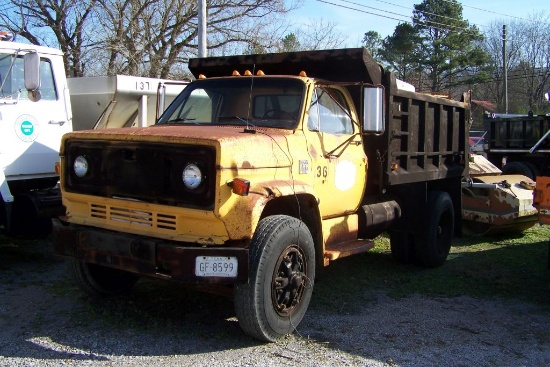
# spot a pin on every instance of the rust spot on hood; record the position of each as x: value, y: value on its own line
x: 172, y: 133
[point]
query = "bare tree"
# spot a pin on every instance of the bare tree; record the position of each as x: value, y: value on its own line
x: 65, y: 21
x: 142, y: 37
x: 528, y: 54
x: 154, y: 37
x: 320, y: 34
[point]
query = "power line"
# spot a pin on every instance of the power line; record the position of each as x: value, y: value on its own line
x: 487, y: 11
x: 432, y: 24
x: 424, y: 12
x: 436, y: 25
x: 362, y: 11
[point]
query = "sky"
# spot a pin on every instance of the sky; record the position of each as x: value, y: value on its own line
x: 356, y: 17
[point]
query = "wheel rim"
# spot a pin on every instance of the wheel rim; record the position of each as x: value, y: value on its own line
x: 289, y: 280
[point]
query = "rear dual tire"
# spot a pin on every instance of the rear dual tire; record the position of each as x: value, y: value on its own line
x: 431, y: 245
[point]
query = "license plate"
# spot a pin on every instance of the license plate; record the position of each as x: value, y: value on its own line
x: 216, y: 266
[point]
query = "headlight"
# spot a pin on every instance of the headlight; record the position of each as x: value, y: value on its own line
x: 80, y: 166
x: 192, y: 176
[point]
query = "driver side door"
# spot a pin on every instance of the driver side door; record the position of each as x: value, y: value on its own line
x: 336, y: 149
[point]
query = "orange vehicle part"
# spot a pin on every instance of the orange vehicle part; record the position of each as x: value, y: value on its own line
x: 541, y: 199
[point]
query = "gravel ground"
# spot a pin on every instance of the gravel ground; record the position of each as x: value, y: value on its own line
x: 46, y: 321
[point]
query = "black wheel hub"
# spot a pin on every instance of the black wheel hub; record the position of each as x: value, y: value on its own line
x: 289, y: 280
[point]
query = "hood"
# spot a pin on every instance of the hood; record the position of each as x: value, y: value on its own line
x: 258, y: 148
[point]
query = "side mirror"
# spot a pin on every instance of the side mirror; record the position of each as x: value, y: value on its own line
x: 32, y: 71
x: 373, y: 110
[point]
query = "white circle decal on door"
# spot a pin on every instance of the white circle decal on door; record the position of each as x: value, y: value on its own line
x: 27, y: 128
x: 344, y: 176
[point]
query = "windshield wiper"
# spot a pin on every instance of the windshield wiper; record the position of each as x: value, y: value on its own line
x: 181, y: 119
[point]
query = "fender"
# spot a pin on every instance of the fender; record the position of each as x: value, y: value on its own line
x: 243, y: 216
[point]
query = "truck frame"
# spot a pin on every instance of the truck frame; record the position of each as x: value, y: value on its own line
x: 263, y: 169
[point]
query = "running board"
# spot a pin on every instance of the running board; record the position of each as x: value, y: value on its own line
x: 346, y: 249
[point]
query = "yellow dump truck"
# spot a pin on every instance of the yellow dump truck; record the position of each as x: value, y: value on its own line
x: 263, y: 169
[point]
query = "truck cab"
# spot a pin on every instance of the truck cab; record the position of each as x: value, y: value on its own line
x: 34, y: 114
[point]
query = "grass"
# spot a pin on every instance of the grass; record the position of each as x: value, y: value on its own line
x: 505, y: 266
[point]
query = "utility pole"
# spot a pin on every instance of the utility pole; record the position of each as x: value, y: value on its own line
x: 202, y: 27
x: 504, y: 69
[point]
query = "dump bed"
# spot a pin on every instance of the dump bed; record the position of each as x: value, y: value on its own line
x: 425, y: 137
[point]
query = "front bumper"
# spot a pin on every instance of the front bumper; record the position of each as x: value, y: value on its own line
x: 146, y: 256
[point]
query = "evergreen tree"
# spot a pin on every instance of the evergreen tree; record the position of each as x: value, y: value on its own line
x: 450, y: 51
x: 373, y: 43
x: 400, y: 52
x: 290, y: 43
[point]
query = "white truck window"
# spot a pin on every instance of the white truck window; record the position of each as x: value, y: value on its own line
x: 13, y: 81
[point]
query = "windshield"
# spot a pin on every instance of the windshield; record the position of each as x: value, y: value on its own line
x: 244, y: 101
x: 12, y: 76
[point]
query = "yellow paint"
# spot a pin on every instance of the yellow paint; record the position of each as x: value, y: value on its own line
x: 161, y: 221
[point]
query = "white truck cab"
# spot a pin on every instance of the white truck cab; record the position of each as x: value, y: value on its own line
x: 35, y: 112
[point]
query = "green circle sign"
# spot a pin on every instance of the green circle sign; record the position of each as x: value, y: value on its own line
x: 27, y: 128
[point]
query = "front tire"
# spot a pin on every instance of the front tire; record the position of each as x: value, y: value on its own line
x: 434, y: 241
x: 281, y: 278
x: 100, y: 281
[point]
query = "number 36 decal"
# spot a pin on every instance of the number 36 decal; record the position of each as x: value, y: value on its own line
x: 322, y: 171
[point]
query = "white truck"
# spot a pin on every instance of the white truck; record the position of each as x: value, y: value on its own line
x: 35, y: 112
